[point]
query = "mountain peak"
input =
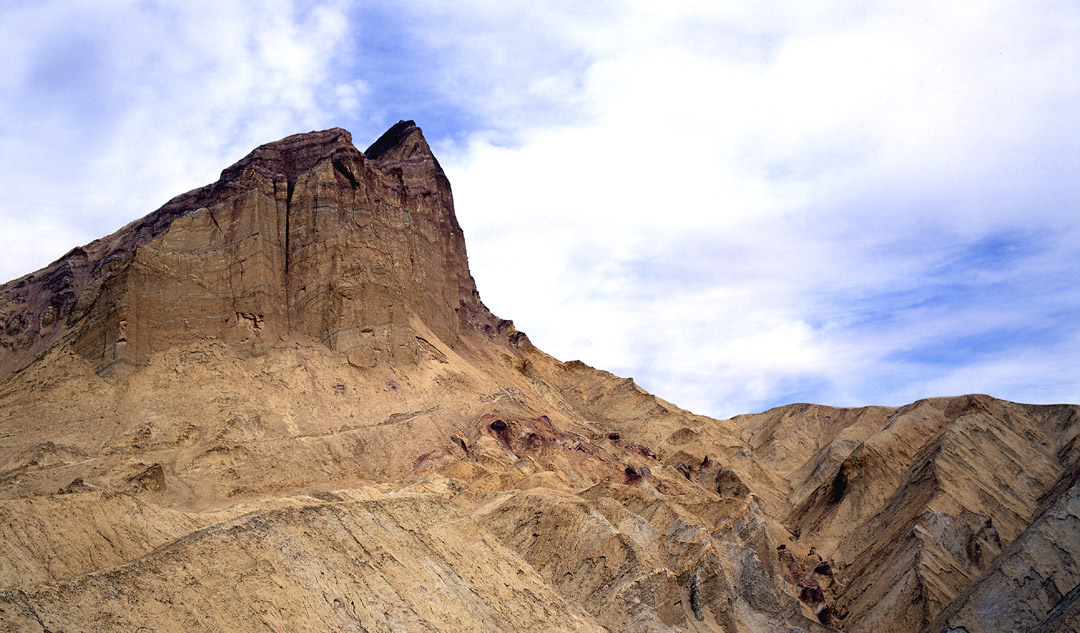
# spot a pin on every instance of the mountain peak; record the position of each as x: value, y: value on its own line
x: 392, y: 139
x: 303, y: 236
x: 404, y: 141
x: 294, y: 154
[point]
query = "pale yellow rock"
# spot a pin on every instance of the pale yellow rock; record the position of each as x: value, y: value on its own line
x: 278, y: 403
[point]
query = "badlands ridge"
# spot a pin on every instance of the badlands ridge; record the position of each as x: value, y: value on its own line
x: 278, y: 404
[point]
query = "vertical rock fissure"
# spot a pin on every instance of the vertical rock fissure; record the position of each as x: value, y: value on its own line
x: 288, y: 204
x: 290, y: 185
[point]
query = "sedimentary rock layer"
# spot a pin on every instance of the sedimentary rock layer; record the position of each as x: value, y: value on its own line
x: 277, y: 403
x: 303, y: 236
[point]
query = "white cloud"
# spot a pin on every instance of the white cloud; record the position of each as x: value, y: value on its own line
x: 802, y: 160
x: 120, y: 106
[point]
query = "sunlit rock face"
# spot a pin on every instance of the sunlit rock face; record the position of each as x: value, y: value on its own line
x: 306, y: 235
x: 278, y: 403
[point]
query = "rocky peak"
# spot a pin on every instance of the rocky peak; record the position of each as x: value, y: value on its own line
x: 402, y: 140
x: 293, y: 155
x: 303, y: 236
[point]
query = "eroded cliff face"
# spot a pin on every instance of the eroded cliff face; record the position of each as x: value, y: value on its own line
x: 278, y: 403
x: 910, y: 505
x: 304, y: 236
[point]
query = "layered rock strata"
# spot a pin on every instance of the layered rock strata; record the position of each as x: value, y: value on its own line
x: 278, y: 403
x: 303, y: 236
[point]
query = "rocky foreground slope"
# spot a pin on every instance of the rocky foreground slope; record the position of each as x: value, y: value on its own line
x: 278, y: 403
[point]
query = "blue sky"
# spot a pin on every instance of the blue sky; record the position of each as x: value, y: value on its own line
x: 741, y: 205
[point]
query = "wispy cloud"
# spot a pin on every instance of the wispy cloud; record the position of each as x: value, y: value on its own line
x: 113, y: 108
x: 807, y: 204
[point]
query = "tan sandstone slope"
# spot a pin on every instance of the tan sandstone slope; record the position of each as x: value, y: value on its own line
x: 278, y: 403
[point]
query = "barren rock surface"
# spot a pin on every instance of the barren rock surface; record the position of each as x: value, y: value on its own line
x: 278, y: 403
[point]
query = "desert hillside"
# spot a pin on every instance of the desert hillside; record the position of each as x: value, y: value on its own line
x: 277, y: 403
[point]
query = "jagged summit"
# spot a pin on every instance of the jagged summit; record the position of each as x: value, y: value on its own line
x: 292, y: 155
x: 392, y: 138
x: 305, y: 235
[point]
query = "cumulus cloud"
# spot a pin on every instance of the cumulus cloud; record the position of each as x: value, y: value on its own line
x: 120, y: 106
x: 762, y: 208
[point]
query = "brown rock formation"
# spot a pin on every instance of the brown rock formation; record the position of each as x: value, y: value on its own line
x: 910, y: 505
x: 303, y: 236
x: 278, y: 403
